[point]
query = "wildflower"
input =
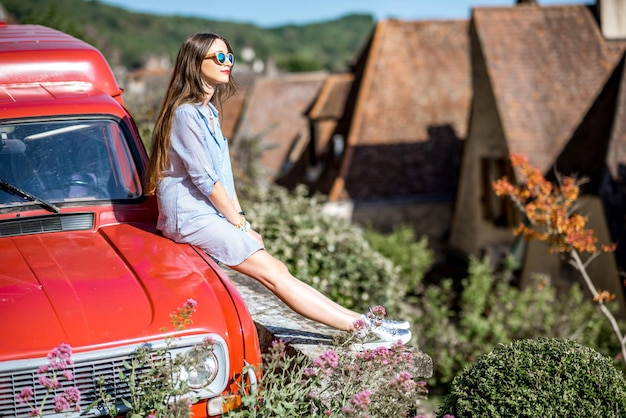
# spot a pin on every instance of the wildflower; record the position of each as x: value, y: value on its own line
x: 208, y: 342
x: 403, y: 381
x: 25, y: 395
x: 379, y: 311
x: 180, y: 407
x: 35, y: 412
x: 603, y: 296
x: 61, y: 404
x: 182, y: 317
x: 60, y: 357
x: 191, y: 304
x: 327, y: 361
x: 348, y: 410
x: 278, y: 348
x: 309, y: 372
x: 72, y: 394
x: 361, y: 400
x: 359, y: 326
x: 68, y: 374
x: 48, y: 383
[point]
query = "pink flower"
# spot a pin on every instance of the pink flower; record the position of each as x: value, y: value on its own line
x: 60, y: 357
x: 278, y: 348
x: 34, y: 413
x: 25, y: 395
x: 72, y: 394
x: 379, y: 311
x: 208, y: 342
x: 61, y: 404
x: 360, y: 326
x: 48, y: 383
x: 361, y: 400
x: 327, y: 361
x: 403, y: 381
x: 68, y: 374
x: 191, y: 304
x: 348, y: 410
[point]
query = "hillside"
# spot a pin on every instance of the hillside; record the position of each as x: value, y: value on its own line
x: 127, y: 38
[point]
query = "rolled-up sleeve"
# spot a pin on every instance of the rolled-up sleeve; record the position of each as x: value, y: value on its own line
x: 188, y: 141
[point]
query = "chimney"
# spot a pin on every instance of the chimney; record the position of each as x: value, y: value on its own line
x: 612, y: 18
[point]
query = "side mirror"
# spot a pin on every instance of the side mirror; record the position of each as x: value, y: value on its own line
x: 10, y: 145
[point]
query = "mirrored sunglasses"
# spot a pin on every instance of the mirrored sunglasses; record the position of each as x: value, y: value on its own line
x: 222, y: 57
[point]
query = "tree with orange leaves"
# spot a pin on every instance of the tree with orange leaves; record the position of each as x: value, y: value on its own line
x: 551, y: 216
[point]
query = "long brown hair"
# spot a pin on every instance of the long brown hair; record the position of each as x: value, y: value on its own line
x: 185, y: 86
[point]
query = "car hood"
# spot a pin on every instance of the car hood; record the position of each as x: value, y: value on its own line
x: 100, y: 288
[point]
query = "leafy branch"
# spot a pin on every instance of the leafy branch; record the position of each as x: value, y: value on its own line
x: 551, y: 215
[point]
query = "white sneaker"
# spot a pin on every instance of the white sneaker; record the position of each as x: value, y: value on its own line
x: 393, y: 324
x: 383, y: 337
x: 372, y: 321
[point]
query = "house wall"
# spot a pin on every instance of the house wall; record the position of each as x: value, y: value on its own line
x: 470, y: 232
x: 613, y: 18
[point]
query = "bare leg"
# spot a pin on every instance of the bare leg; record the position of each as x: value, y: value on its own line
x: 296, y: 294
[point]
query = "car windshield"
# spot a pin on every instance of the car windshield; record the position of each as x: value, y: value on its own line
x: 67, y: 161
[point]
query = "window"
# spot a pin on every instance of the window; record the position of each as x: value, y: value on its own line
x: 63, y: 161
x: 496, y: 209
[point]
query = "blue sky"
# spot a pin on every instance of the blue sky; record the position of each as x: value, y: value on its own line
x: 269, y: 13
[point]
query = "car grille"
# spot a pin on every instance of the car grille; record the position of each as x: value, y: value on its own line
x: 89, y: 369
x: 49, y: 223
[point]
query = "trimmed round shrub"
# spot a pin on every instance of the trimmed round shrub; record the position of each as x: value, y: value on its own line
x: 546, y: 377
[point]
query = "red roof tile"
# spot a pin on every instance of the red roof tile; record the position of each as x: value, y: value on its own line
x: 329, y: 107
x: 411, y: 112
x: 546, y: 65
x: 275, y: 111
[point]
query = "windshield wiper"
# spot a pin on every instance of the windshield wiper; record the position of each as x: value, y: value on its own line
x: 25, y: 195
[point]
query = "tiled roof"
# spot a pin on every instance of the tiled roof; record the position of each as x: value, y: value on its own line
x: 332, y: 98
x: 411, y: 112
x: 329, y: 107
x: 230, y: 112
x: 546, y: 66
x: 275, y: 112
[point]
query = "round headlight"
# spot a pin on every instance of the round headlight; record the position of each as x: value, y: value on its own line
x: 200, y: 367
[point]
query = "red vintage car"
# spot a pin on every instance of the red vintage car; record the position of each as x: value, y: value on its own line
x: 80, y: 260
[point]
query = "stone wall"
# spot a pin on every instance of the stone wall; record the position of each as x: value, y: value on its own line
x: 274, y: 320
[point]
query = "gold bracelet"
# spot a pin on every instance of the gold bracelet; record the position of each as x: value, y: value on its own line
x: 241, y: 224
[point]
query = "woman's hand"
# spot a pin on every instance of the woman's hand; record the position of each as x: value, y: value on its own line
x: 256, y: 236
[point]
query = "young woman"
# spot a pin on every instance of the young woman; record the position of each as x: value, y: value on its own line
x: 190, y: 172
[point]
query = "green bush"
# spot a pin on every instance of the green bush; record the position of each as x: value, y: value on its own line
x: 413, y: 257
x: 546, y: 377
x: 456, y: 329
x: 330, y: 254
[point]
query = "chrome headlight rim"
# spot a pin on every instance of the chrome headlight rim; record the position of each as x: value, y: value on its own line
x: 200, y: 367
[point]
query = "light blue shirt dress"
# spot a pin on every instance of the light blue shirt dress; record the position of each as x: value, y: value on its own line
x: 199, y: 158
